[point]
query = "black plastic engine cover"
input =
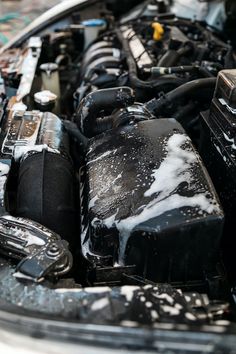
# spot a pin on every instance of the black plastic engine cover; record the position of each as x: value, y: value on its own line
x: 151, y: 203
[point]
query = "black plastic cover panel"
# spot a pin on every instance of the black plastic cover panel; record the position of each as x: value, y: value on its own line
x: 151, y: 203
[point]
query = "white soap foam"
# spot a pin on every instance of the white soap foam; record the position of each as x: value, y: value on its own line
x: 34, y: 240
x: 233, y: 146
x: 100, y: 304
x: 67, y: 290
x: 4, y: 169
x: 166, y: 297
x: 98, y: 289
x: 174, y: 170
x: 171, y: 310
x: 154, y: 315
x: 21, y: 151
x: 93, y: 201
x: 128, y: 291
x: 190, y: 316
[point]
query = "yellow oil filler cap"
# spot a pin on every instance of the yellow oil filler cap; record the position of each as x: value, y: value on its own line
x: 158, y: 31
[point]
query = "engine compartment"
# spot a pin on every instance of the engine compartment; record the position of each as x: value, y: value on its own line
x: 118, y: 169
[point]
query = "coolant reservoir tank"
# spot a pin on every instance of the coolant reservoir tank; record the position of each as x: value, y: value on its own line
x: 91, y: 29
x: 50, y: 78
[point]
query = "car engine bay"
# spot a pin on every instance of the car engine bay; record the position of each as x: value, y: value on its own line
x: 117, y: 170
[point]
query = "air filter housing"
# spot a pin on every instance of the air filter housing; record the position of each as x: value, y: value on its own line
x: 151, y: 203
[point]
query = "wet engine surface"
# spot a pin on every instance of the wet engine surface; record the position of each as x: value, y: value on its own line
x: 117, y: 168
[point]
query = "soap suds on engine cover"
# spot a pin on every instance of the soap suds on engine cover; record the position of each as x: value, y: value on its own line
x: 151, y: 192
